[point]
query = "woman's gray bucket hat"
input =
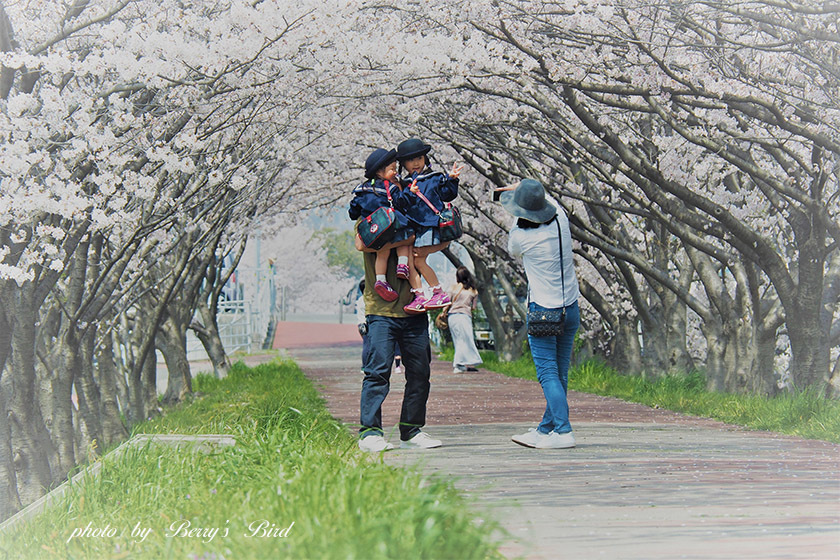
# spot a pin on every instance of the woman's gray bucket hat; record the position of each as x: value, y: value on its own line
x: 528, y: 201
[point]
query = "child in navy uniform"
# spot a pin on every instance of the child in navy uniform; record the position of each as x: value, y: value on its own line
x: 381, y: 172
x: 437, y: 188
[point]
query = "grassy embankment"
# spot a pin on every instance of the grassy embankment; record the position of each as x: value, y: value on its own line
x: 805, y: 414
x: 294, y: 486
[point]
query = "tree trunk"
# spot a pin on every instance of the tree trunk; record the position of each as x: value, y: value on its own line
x: 763, y: 381
x: 113, y: 429
x: 740, y: 357
x: 136, y: 395
x: 67, y: 364
x: 123, y: 361
x: 508, y: 340
x: 208, y: 334
x: 9, y: 499
x: 172, y: 342
x: 149, y: 385
x: 810, y: 354
x: 654, y: 349
x: 834, y: 382
x: 5, y: 330
x: 34, y: 452
x: 678, y: 358
x: 807, y: 326
x: 88, y: 395
x: 625, y: 349
x: 716, y: 343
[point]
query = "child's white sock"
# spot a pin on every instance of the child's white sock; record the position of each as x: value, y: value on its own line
x: 402, y: 260
x: 380, y: 278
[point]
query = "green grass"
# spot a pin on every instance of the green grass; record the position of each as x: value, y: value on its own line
x: 293, y: 463
x: 805, y: 414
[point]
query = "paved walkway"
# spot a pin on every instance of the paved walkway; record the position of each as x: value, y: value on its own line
x: 641, y: 484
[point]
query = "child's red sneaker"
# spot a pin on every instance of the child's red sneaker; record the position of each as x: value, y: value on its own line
x: 385, y: 291
x: 402, y: 271
x: 439, y: 300
x: 417, y: 305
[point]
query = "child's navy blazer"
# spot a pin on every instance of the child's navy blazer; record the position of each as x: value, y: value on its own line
x: 436, y: 186
x: 370, y: 195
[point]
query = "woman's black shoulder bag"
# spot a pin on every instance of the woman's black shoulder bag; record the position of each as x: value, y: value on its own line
x: 550, y: 322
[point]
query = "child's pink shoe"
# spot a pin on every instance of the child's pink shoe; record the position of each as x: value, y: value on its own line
x: 385, y: 291
x: 402, y: 271
x: 417, y: 305
x: 439, y: 300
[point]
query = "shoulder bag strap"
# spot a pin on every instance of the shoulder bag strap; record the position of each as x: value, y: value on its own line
x: 562, y: 264
x: 387, y: 190
x: 426, y: 200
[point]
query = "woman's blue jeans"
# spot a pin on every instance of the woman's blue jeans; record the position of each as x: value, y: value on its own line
x: 552, y: 356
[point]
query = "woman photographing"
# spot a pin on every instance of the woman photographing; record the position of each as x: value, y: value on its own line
x: 541, y: 236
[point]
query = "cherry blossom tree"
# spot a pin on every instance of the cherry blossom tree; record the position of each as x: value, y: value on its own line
x: 139, y: 138
x: 713, y: 125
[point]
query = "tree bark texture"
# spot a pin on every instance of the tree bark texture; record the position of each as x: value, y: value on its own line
x: 35, y: 456
x: 9, y: 499
x: 113, y: 430
x: 172, y: 342
x: 208, y: 333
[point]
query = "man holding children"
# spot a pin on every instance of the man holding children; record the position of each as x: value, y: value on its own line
x: 395, y: 301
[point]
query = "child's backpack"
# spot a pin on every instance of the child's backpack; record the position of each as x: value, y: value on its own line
x: 449, y: 220
x: 379, y: 228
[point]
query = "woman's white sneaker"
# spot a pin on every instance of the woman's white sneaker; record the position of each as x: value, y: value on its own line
x: 529, y: 438
x: 554, y: 440
x: 374, y: 444
x: 421, y: 441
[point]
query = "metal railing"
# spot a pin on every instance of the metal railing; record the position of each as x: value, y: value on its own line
x: 243, y: 323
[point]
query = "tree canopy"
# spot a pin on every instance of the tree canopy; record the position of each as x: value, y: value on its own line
x: 694, y: 144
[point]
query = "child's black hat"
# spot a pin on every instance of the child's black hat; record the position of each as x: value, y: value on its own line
x: 412, y: 148
x: 377, y: 160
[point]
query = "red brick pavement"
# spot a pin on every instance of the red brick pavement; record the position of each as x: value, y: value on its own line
x: 290, y: 334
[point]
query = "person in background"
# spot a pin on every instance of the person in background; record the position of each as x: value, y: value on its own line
x: 541, y: 236
x: 398, y: 368
x: 464, y: 296
x: 361, y: 321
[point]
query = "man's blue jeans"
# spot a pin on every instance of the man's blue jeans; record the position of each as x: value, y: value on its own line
x: 552, y: 356
x: 412, y: 334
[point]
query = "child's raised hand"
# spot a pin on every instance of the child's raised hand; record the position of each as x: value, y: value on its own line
x: 456, y: 171
x: 413, y: 187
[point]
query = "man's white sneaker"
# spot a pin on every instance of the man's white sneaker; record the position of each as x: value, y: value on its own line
x: 421, y: 441
x: 374, y: 444
x: 529, y: 438
x: 556, y: 441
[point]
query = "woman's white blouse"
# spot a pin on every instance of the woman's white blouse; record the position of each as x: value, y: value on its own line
x: 540, y: 253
